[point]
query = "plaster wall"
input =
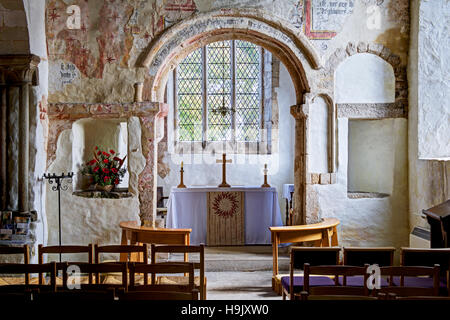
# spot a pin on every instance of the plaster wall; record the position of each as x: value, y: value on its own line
x: 371, y: 155
x: 364, y: 78
x: 201, y: 169
x: 370, y: 221
x: 108, y: 135
x: 318, y: 136
x: 103, y: 53
x: 428, y: 179
x: 433, y: 78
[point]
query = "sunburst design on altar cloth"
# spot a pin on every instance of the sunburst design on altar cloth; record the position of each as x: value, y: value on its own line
x: 225, y: 204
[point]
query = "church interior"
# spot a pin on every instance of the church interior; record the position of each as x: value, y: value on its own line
x: 224, y: 150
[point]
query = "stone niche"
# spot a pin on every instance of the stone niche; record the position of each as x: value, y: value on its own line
x: 376, y: 152
x: 106, y: 134
x: 74, y: 130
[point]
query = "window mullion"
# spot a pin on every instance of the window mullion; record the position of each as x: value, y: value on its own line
x: 262, y: 94
x: 175, y: 106
x: 233, y: 91
x: 204, y: 98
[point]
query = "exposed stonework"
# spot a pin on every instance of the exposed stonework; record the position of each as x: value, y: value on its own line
x: 395, y: 110
x: 256, y: 26
x: 370, y: 110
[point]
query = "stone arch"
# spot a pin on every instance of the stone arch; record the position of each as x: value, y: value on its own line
x: 256, y: 26
x: 289, y: 45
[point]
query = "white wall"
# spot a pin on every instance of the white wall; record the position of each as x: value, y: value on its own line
x: 433, y: 80
x: 371, y: 155
x: 428, y: 180
x: 245, y: 169
x: 108, y: 134
x: 318, y: 136
x: 364, y: 78
x: 35, y: 13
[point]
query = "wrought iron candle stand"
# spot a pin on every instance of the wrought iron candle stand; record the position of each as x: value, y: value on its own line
x: 53, y: 178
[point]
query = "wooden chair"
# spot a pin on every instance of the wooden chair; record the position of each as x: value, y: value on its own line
x: 25, y: 251
x: 338, y: 288
x: 414, y: 272
x: 27, y: 269
x: 16, y: 297
x: 427, y: 257
x: 293, y: 285
x: 75, y: 295
x: 157, y: 295
x: 381, y: 256
x: 63, y: 250
x: 336, y: 293
x: 393, y: 296
x: 162, y: 268
x: 95, y: 269
x: 134, y: 253
x: 200, y: 281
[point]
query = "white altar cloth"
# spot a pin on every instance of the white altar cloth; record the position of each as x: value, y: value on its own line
x: 187, y: 208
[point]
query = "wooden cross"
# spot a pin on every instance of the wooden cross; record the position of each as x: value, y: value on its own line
x: 224, y: 162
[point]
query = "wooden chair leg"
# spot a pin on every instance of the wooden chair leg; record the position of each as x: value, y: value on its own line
x: 334, y: 238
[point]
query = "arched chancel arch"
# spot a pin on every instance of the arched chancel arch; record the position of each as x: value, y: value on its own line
x: 256, y: 26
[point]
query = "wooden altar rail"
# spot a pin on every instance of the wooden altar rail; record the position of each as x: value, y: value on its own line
x: 320, y: 233
x: 137, y: 234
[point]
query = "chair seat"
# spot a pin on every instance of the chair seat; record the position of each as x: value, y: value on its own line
x: 358, y: 281
x: 421, y: 282
x: 181, y: 280
x: 17, y: 280
x: 313, y: 282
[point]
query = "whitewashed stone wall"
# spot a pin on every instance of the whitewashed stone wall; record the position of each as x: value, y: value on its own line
x: 364, y: 78
x: 428, y: 180
x: 35, y: 14
x: 434, y: 84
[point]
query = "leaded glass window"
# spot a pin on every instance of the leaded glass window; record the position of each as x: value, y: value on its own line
x: 218, y: 93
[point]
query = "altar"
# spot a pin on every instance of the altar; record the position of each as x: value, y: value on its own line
x: 190, y: 208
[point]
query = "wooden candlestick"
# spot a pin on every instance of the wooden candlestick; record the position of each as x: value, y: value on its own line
x: 181, y: 185
x: 265, y: 184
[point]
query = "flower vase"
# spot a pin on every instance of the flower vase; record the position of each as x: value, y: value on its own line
x: 107, y: 188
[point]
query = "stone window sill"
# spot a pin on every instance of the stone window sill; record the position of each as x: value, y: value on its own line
x: 366, y: 195
x: 94, y: 194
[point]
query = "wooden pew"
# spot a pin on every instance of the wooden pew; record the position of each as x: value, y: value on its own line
x: 324, y: 234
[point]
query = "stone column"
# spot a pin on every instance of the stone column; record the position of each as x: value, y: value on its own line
x: 3, y: 147
x: 24, y: 147
x: 299, y: 112
x: 17, y: 71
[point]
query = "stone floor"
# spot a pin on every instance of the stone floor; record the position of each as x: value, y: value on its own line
x: 235, y: 285
x: 239, y: 273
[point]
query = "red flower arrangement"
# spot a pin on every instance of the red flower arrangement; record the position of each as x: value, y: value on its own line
x: 105, y: 169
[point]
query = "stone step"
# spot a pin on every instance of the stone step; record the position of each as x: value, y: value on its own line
x: 245, y: 258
